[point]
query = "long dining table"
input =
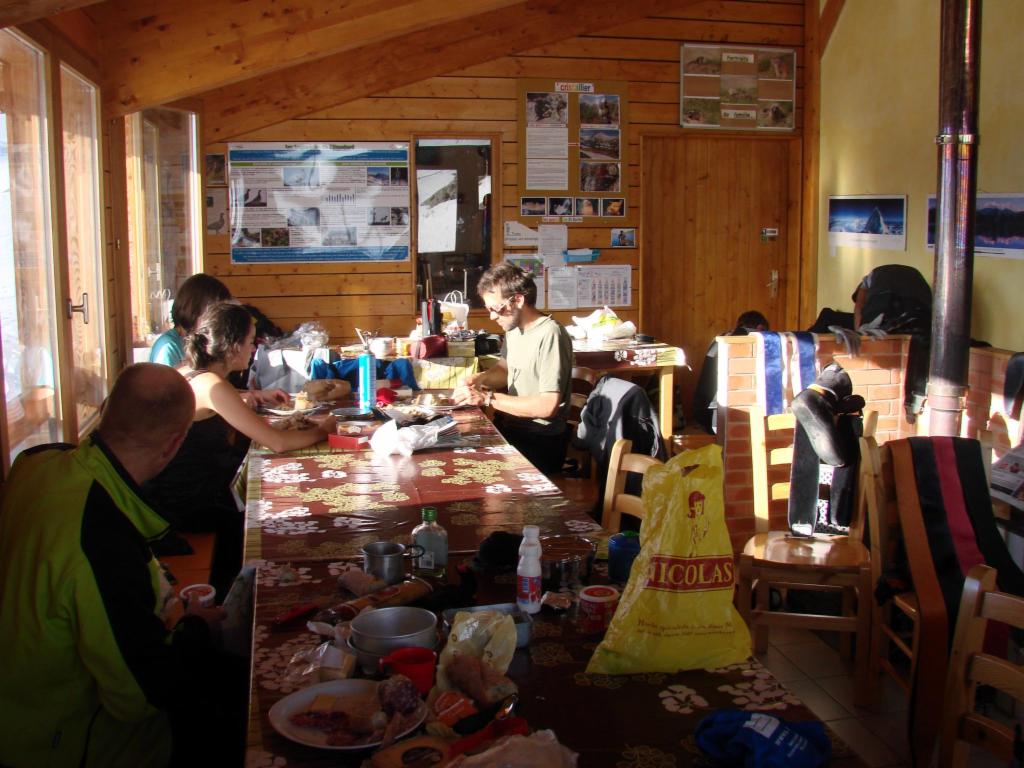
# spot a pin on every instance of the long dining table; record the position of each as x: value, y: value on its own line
x: 310, y: 512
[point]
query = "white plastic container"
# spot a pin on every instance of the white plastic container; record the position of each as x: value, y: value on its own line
x: 528, y: 572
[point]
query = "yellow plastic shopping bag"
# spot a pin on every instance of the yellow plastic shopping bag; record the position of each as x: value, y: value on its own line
x: 676, y: 611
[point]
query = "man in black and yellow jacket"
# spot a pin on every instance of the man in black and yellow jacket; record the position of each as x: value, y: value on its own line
x: 88, y: 669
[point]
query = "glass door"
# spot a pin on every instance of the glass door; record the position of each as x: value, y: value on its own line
x: 84, y: 305
x: 52, y: 284
x: 33, y: 412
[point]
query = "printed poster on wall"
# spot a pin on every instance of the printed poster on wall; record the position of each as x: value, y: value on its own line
x: 300, y: 201
x: 998, y: 225
x: 737, y: 87
x: 572, y: 162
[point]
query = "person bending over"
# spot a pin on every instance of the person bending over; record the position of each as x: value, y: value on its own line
x: 197, y: 293
x: 529, y: 388
x: 194, y: 491
x: 705, y: 396
x: 89, y: 669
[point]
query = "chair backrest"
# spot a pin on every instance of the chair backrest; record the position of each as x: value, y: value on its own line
x: 616, y: 501
x: 584, y: 380
x: 771, y: 455
x: 970, y: 666
x: 876, y: 497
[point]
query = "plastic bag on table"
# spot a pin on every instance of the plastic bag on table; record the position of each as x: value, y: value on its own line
x: 676, y: 611
x: 454, y: 312
x: 389, y: 439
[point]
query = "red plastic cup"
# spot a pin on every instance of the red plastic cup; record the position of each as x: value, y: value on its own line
x: 415, y: 663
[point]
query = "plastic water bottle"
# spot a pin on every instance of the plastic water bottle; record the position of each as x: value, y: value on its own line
x: 367, y: 381
x: 528, y: 572
x: 434, y: 540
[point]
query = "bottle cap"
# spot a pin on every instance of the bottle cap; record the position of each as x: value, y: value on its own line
x: 429, y: 514
x: 531, y: 531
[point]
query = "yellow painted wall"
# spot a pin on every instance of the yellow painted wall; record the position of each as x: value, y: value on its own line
x: 879, y: 117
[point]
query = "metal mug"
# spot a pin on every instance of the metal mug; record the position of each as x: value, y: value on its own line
x: 386, y: 559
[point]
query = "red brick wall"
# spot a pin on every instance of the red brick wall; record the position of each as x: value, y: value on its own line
x: 985, y: 409
x: 877, y: 374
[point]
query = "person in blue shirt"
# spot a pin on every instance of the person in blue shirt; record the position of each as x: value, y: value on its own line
x: 195, y: 295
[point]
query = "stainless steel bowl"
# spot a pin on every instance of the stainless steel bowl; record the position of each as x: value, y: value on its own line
x: 388, y: 629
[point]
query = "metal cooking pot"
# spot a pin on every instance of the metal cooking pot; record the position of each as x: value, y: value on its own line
x: 387, y: 629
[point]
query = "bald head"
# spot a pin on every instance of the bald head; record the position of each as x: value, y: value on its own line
x: 150, y: 407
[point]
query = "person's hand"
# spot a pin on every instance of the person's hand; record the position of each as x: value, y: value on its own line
x: 467, y: 395
x: 270, y: 396
x: 470, y: 379
x: 213, y: 615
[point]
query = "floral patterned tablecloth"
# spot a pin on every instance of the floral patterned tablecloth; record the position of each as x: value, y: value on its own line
x: 630, y: 721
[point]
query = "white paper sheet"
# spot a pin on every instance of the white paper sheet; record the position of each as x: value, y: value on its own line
x: 553, y: 239
x: 517, y: 234
x: 562, y: 286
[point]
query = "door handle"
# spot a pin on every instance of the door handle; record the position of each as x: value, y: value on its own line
x: 773, y: 284
x: 82, y: 308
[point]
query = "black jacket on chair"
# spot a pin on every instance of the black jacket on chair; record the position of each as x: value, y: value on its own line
x: 618, y: 408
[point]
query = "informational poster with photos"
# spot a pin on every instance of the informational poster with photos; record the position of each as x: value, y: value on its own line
x: 572, y: 158
x: 737, y: 87
x: 300, y: 201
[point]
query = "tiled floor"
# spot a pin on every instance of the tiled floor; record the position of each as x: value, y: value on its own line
x: 814, y: 671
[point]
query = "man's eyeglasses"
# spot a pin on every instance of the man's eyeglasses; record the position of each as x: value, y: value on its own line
x: 503, y: 308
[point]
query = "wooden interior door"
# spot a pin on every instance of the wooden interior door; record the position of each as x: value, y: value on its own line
x: 704, y: 259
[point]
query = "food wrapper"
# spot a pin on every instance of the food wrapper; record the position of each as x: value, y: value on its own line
x: 604, y: 324
x: 314, y: 665
x: 538, y: 750
x: 389, y: 439
x: 676, y: 611
x: 488, y: 635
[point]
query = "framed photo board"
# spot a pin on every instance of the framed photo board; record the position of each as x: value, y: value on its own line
x: 737, y: 87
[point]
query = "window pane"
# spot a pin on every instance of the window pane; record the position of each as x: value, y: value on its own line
x: 27, y: 306
x: 162, y: 215
x: 85, y: 255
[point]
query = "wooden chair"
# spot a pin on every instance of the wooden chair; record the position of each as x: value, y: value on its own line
x: 970, y: 666
x: 821, y: 563
x: 584, y: 380
x: 616, y: 501
x: 878, y: 496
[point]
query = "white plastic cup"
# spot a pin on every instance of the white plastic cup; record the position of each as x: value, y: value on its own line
x: 206, y: 594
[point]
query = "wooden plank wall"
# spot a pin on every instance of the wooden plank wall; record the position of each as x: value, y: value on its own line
x: 482, y: 100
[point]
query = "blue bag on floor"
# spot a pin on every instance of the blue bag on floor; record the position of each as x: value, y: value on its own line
x: 758, y: 740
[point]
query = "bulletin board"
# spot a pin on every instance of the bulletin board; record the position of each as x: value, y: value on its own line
x: 573, y: 138
x: 737, y: 87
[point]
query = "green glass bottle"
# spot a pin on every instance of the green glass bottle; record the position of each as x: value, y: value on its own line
x: 434, y: 540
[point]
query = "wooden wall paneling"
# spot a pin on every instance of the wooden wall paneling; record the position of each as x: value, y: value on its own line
x: 451, y: 102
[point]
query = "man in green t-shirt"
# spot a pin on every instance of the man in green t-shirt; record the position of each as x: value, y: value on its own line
x: 529, y: 388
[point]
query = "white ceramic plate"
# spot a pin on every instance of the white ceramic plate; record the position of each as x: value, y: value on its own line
x: 280, y: 714
x: 293, y: 411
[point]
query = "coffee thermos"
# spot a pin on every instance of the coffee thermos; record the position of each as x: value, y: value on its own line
x: 367, y: 381
x: 430, y: 313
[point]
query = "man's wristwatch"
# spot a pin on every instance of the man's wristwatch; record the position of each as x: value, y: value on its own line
x: 488, y: 398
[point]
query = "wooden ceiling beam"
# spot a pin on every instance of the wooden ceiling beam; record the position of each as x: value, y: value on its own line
x: 158, y: 51
x: 237, y: 109
x: 14, y: 12
x: 827, y: 22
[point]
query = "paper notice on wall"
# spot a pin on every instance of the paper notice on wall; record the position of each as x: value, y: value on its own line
x: 541, y: 293
x: 553, y: 239
x: 562, y: 286
x: 517, y: 234
x: 604, y: 285
x: 547, y: 141
x: 547, y: 173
